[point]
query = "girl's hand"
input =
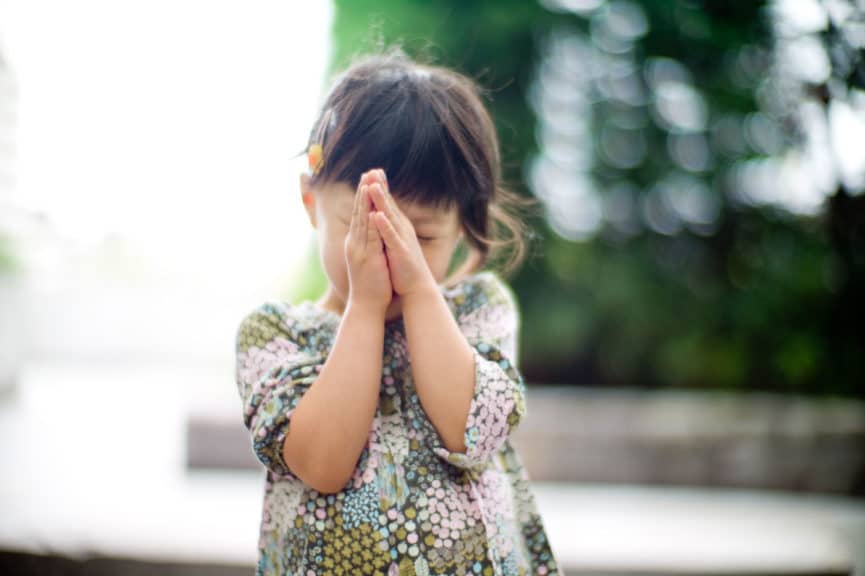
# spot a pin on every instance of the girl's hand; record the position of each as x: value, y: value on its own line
x: 369, y: 282
x: 409, y: 272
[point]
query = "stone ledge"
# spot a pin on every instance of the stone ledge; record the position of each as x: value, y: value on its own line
x: 748, y: 440
x: 646, y: 437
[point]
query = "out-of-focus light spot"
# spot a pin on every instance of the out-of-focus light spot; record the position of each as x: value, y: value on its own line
x: 660, y: 70
x: 807, y: 59
x: 690, y: 198
x: 559, y: 174
x: 782, y: 182
x: 680, y: 107
x: 657, y: 212
x: 818, y: 164
x: 571, y: 58
x: 847, y: 129
x: 615, y: 27
x: 794, y: 17
x: 567, y: 151
x: 747, y: 65
x: 622, y: 148
x: 573, y: 208
x: 854, y: 33
x: 621, y: 84
x: 575, y: 6
x: 763, y: 134
x: 626, y: 20
x: 839, y: 11
x: 689, y: 150
x: 553, y: 99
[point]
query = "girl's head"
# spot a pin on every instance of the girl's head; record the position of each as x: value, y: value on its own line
x: 427, y: 127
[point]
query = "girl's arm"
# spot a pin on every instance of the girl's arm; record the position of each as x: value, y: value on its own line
x: 443, y: 366
x: 332, y: 421
x: 464, y: 370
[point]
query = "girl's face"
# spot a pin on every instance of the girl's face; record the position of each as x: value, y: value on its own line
x: 329, y: 209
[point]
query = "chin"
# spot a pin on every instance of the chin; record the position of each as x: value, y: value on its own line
x: 394, y: 309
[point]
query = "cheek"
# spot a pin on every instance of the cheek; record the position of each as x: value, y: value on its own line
x: 332, y: 249
x: 437, y: 258
x: 334, y: 241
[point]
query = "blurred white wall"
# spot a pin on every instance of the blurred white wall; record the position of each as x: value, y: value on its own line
x: 153, y: 190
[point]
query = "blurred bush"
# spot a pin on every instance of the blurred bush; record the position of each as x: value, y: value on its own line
x: 701, y: 164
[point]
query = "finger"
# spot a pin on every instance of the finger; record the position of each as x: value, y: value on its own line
x: 356, y: 215
x: 400, y: 221
x: 371, y: 232
x: 376, y: 177
x: 367, y: 178
x: 394, y: 212
x: 362, y: 218
x: 367, y: 201
x: 380, y: 200
x: 372, y: 235
x: 387, y: 231
x: 382, y: 180
x: 351, y: 222
x: 376, y: 197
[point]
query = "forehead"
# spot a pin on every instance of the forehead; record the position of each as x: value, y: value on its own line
x: 343, y: 201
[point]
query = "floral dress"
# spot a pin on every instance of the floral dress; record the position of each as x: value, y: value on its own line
x: 412, y: 507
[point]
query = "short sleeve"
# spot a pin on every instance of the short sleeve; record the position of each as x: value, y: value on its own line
x: 274, y: 368
x: 487, y: 314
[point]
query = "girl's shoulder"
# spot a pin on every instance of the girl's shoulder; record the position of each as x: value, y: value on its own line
x: 483, y: 288
x: 302, y: 323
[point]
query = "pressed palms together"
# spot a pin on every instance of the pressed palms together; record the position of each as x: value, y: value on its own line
x: 369, y: 282
x: 381, y: 248
x: 409, y: 272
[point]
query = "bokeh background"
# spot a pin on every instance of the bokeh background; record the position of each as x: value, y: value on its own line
x: 692, y: 317
x: 702, y: 166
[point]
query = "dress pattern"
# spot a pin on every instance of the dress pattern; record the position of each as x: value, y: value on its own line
x: 412, y: 507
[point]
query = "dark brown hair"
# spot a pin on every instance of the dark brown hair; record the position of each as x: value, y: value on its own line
x: 427, y: 127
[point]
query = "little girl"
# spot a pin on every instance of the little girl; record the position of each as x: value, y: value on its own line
x: 382, y: 412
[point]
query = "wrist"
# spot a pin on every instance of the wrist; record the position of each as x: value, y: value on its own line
x: 427, y: 288
x: 364, y: 310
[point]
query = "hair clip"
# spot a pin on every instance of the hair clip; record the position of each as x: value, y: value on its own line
x: 315, y: 155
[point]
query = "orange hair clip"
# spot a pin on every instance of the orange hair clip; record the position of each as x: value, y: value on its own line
x: 315, y: 154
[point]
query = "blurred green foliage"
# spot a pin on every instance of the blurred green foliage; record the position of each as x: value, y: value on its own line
x: 758, y: 298
x: 9, y: 262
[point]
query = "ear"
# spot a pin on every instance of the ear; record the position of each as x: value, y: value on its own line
x: 307, y: 196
